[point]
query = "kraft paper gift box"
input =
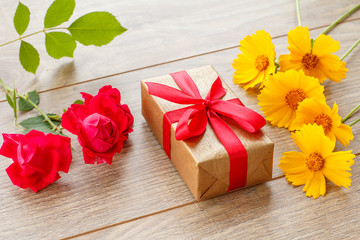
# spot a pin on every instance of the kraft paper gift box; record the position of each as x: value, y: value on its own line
x: 202, y: 161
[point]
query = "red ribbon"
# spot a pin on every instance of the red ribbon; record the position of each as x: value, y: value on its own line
x: 192, y: 120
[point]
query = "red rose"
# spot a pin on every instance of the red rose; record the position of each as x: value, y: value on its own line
x: 38, y: 157
x: 102, y: 124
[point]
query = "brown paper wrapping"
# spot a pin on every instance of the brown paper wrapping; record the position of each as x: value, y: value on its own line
x: 202, y: 161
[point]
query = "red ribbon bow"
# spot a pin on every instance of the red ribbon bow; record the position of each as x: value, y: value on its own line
x: 192, y: 120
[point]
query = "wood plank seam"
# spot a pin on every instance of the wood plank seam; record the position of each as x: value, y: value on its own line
x: 171, y: 61
x: 129, y: 220
x: 147, y: 215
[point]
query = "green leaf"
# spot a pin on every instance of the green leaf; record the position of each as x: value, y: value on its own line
x: 39, y: 123
x: 44, y: 130
x: 79, y: 102
x: 10, y: 101
x: 29, y: 57
x: 26, y: 106
x: 59, y: 12
x: 59, y: 44
x: 21, y: 18
x: 96, y: 28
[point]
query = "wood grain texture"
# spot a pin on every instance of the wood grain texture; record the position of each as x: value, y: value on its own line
x: 159, y: 31
x: 142, y: 181
x: 275, y: 210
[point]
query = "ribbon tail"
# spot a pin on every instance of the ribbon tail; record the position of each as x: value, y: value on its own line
x: 166, y: 134
x: 236, y: 101
x: 235, y: 149
x: 168, y: 119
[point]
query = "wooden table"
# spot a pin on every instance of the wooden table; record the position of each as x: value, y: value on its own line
x: 141, y: 195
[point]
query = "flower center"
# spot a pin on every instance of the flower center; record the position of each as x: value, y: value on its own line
x: 325, y: 121
x: 293, y: 97
x: 315, y: 162
x: 309, y: 61
x: 261, y: 62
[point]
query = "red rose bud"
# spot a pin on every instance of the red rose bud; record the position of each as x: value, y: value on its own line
x: 38, y: 157
x: 102, y: 124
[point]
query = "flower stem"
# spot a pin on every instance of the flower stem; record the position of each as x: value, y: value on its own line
x: 355, y: 122
x: 8, y: 90
x: 298, y: 12
x: 340, y: 19
x: 31, y: 34
x: 349, y: 51
x: 350, y: 113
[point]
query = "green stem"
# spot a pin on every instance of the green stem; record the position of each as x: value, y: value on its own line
x: 298, y: 12
x: 31, y: 34
x: 15, y: 106
x: 340, y: 19
x: 354, y: 122
x: 350, y: 113
x: 7, y: 89
x: 349, y: 51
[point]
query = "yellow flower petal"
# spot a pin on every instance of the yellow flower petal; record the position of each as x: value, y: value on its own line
x: 330, y: 62
x: 336, y: 167
x: 299, y: 40
x: 324, y: 45
x: 311, y: 138
x: 343, y: 134
x: 341, y: 160
x: 333, y: 75
x: 334, y: 115
x: 286, y: 62
x: 315, y: 185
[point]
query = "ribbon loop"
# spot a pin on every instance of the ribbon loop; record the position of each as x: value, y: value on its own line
x: 217, y: 91
x: 184, y: 81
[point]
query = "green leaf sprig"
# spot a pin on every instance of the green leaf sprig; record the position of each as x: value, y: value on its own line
x: 95, y: 28
x: 44, y: 122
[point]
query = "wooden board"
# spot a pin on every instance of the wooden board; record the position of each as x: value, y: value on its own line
x: 275, y: 210
x: 159, y: 32
x: 142, y: 189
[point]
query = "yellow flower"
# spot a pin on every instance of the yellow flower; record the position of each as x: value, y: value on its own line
x: 317, y: 60
x: 256, y: 62
x: 282, y: 94
x: 316, y: 161
x: 318, y: 112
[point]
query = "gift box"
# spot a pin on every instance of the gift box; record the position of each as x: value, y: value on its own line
x: 212, y: 139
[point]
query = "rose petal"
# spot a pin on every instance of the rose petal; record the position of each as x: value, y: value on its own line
x: 42, y: 183
x: 112, y: 93
x: 10, y: 145
x: 98, y: 133
x: 14, y: 173
x: 71, y: 119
